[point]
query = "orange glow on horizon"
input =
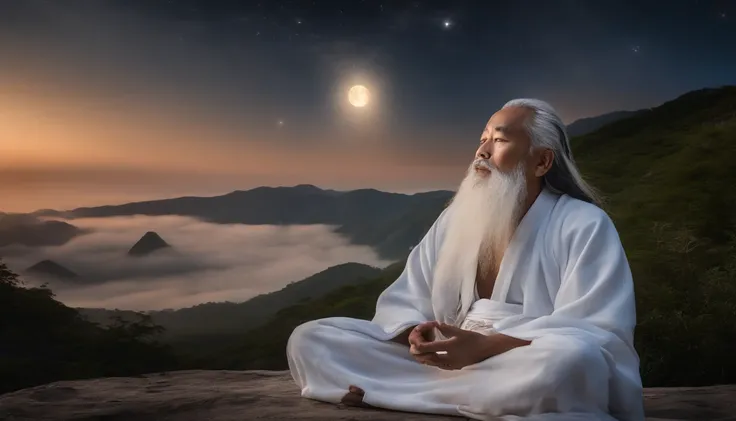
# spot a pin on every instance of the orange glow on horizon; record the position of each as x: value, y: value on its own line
x: 64, y: 149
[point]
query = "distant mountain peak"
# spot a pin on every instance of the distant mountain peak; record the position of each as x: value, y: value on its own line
x: 49, y: 267
x: 149, y: 243
x: 307, y: 187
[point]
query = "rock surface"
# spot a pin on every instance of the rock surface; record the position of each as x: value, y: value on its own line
x: 248, y: 395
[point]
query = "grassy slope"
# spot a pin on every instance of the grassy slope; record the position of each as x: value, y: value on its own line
x: 668, y: 175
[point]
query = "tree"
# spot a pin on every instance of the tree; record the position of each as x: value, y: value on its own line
x: 42, y: 340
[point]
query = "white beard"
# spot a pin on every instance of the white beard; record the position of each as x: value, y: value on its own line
x: 482, y: 218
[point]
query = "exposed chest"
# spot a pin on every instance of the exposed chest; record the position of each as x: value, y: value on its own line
x: 485, y: 278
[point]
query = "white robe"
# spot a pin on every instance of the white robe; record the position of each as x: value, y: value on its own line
x: 564, y: 284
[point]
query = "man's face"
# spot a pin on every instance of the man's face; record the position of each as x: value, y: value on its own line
x: 504, y: 141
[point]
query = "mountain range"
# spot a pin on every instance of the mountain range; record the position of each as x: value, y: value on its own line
x: 391, y: 223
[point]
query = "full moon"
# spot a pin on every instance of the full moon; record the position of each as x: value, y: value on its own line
x: 359, y: 96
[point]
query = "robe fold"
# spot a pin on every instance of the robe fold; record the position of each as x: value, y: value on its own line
x: 564, y: 284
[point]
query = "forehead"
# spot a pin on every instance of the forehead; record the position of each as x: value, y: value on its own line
x: 509, y: 121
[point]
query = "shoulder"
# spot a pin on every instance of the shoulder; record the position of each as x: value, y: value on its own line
x: 576, y: 214
x: 580, y: 220
x: 587, y: 236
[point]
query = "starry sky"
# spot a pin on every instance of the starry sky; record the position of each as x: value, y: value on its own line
x: 108, y: 101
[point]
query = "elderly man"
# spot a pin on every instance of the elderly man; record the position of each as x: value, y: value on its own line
x: 519, y: 301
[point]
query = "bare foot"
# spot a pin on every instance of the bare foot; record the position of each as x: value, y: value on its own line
x: 354, y: 397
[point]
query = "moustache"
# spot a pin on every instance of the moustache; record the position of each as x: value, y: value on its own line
x: 483, y: 164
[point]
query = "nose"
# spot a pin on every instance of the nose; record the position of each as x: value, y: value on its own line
x: 484, y: 151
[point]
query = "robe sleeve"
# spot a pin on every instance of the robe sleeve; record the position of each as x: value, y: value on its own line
x: 407, y: 301
x: 596, y: 291
x: 594, y: 303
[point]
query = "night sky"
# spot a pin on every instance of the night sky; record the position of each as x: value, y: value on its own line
x: 110, y: 101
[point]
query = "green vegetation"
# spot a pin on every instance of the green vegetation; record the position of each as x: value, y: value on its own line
x: 41, y: 340
x: 668, y: 175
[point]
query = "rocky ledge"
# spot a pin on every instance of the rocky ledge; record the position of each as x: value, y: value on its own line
x: 247, y: 395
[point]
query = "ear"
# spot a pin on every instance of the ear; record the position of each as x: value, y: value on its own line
x: 544, y: 160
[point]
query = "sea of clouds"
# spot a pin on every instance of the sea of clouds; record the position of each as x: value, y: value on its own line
x: 208, y: 262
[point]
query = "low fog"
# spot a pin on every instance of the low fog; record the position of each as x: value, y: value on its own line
x: 208, y: 262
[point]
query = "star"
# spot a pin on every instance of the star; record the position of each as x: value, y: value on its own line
x: 446, y: 24
x: 635, y: 49
x: 298, y: 21
x: 281, y: 123
x: 723, y: 15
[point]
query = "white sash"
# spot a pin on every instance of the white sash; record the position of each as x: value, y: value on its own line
x: 484, y: 313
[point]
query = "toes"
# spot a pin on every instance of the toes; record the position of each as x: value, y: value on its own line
x: 347, y: 397
x: 356, y: 390
x: 352, y: 399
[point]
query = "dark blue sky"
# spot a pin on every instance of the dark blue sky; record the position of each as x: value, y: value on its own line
x: 588, y: 57
x: 244, y: 77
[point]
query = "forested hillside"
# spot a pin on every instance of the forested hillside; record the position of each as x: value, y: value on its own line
x: 42, y: 340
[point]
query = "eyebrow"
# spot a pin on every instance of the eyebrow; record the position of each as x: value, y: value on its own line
x: 502, y: 129
x: 499, y: 129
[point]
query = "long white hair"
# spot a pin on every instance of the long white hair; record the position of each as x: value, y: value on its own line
x: 546, y: 129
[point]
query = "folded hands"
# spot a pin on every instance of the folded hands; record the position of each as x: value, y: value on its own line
x: 461, y: 349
